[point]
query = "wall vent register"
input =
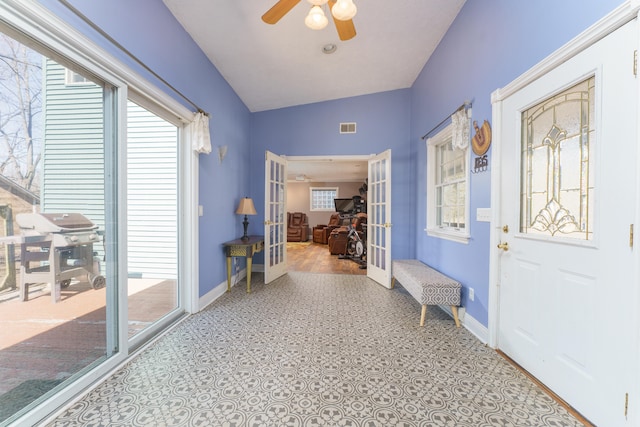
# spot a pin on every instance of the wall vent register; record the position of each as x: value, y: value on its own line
x: 348, y: 127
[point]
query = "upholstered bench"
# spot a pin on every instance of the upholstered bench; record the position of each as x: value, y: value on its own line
x: 426, y: 285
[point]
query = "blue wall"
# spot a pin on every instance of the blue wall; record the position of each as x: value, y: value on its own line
x: 489, y: 44
x: 148, y: 30
x: 313, y: 130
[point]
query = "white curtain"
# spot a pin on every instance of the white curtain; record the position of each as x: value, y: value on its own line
x: 200, y: 137
x: 461, y: 130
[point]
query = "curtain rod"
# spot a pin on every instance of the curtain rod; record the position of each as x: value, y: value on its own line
x: 87, y: 21
x: 465, y: 105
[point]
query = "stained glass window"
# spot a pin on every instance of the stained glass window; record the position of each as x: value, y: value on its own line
x: 557, y: 183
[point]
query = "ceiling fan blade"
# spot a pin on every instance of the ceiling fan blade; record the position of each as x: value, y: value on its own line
x: 346, y: 29
x: 278, y: 10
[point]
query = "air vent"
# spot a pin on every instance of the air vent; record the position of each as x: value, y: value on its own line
x: 347, y: 127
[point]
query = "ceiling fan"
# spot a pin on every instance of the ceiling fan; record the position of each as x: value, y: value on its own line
x: 342, y: 12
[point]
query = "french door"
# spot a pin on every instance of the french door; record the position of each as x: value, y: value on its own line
x: 568, y: 197
x: 275, y: 220
x: 379, y: 219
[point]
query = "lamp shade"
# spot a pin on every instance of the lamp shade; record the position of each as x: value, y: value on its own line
x: 246, y: 207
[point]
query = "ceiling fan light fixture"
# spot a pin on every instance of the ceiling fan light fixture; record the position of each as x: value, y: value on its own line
x: 344, y: 10
x: 316, y: 19
x: 317, y: 2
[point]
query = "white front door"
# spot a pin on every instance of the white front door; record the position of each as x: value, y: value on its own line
x: 379, y: 219
x: 568, y: 192
x: 275, y: 218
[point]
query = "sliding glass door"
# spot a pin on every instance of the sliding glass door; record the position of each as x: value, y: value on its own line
x: 152, y: 220
x: 94, y: 203
x: 57, y: 305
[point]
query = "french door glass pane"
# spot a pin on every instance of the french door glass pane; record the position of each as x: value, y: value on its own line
x: 152, y: 217
x: 53, y: 290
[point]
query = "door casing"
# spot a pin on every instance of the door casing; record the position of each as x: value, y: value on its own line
x: 623, y: 14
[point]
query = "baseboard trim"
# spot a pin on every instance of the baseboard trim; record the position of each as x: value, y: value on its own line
x: 470, y: 323
x: 476, y: 328
x: 219, y: 290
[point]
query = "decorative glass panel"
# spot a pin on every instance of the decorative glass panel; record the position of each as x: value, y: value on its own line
x: 557, y: 164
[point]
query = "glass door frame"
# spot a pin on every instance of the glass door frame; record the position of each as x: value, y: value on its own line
x: 186, y: 252
x: 33, y: 22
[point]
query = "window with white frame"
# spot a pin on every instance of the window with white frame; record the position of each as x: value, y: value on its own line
x: 71, y: 78
x: 447, y: 188
x: 321, y: 198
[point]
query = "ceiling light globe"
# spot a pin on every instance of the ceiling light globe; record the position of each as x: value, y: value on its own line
x: 317, y: 2
x: 344, y: 10
x: 316, y: 20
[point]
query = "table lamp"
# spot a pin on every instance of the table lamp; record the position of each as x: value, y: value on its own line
x: 246, y: 208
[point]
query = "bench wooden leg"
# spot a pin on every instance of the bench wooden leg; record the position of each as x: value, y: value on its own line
x: 393, y: 282
x: 423, y: 314
x: 454, y: 309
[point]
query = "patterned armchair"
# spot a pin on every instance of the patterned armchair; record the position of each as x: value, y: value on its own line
x: 321, y: 231
x: 297, y: 227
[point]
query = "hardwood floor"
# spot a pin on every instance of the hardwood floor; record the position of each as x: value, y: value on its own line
x: 315, y: 258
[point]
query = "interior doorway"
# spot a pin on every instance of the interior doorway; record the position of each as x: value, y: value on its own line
x: 377, y: 238
x: 322, y: 178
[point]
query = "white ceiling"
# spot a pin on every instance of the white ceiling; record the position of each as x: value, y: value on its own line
x: 328, y: 169
x: 282, y: 65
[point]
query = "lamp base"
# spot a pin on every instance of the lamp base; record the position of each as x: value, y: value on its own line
x: 245, y: 223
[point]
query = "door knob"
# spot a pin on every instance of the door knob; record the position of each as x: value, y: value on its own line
x: 504, y: 246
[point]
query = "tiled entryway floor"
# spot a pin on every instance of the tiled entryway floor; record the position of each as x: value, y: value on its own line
x: 317, y: 350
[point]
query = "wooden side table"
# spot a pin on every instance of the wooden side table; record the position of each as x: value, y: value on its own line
x: 244, y: 248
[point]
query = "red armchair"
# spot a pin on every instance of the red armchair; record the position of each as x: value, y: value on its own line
x: 321, y: 231
x: 297, y: 227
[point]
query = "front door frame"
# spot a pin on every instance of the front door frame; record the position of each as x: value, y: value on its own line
x: 620, y: 16
x: 617, y: 18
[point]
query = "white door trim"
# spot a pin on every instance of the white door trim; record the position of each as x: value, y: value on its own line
x: 605, y: 26
x: 328, y: 158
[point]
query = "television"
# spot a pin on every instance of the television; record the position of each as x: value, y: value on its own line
x: 344, y: 206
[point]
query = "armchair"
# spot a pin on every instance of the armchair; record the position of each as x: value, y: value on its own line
x: 321, y: 232
x: 297, y: 227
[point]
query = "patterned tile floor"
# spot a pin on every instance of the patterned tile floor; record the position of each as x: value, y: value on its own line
x: 317, y: 350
